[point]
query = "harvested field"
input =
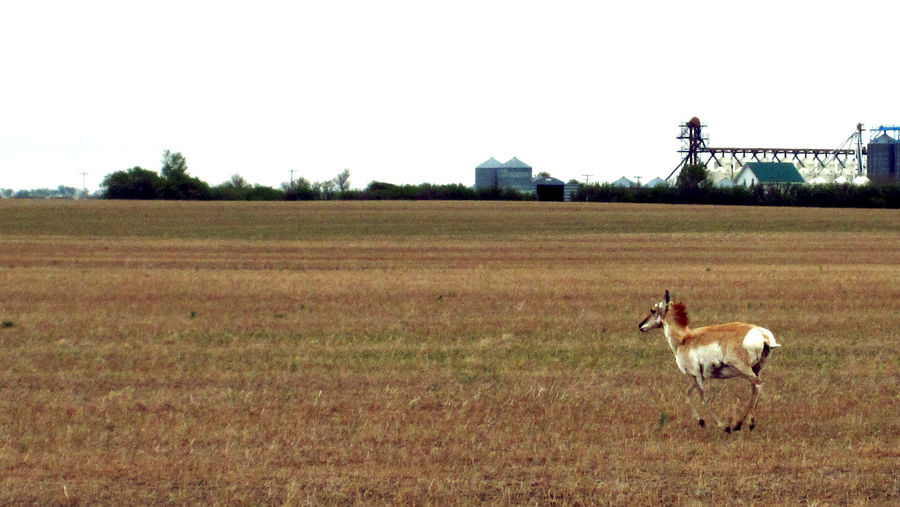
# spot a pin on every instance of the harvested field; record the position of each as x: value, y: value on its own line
x: 437, y: 353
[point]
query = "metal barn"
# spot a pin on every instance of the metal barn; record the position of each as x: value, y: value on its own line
x: 549, y: 188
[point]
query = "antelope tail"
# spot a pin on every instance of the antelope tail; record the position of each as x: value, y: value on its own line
x: 770, y: 338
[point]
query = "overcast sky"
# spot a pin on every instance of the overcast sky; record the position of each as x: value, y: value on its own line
x: 424, y: 91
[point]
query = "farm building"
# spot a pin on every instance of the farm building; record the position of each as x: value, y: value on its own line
x: 510, y: 175
x: 815, y: 165
x: 883, y: 157
x: 768, y: 173
x: 547, y: 188
x: 486, y: 173
x: 623, y: 182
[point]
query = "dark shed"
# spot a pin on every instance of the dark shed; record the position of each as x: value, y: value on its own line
x: 548, y: 189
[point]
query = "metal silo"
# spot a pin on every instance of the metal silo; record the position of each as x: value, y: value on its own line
x: 893, y: 174
x: 515, y: 174
x: 883, y: 157
x: 486, y: 174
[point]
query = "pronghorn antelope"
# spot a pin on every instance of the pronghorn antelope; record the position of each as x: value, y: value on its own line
x: 736, y: 349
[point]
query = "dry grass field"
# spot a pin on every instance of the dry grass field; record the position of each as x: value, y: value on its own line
x: 437, y: 353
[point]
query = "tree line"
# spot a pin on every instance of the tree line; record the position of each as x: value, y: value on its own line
x: 693, y: 186
x: 60, y: 192
x: 822, y: 196
x: 174, y: 182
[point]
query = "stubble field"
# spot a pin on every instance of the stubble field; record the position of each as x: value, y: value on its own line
x: 437, y: 353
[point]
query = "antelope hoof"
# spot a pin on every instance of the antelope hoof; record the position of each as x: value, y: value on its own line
x: 701, y: 422
x: 727, y: 429
x: 752, y: 425
x: 737, y: 427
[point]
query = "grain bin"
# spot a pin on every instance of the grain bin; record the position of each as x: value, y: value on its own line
x: 486, y: 174
x: 514, y: 174
x: 883, y: 157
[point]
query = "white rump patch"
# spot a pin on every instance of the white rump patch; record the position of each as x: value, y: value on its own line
x: 755, y: 341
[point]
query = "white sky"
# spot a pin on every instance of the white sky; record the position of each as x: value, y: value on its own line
x: 424, y: 91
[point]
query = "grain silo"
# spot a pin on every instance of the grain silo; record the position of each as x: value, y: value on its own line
x: 486, y: 174
x: 883, y: 159
x: 515, y: 175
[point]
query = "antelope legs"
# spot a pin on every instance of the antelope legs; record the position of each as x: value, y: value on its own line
x: 749, y: 412
x: 687, y: 398
x: 756, y: 386
x: 756, y: 390
x: 698, y: 384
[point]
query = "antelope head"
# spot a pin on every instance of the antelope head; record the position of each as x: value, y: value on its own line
x: 657, y: 315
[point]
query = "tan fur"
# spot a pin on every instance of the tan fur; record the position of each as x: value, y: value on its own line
x: 730, y: 334
x: 717, y: 351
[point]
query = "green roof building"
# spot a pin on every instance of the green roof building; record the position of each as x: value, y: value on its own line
x: 768, y: 173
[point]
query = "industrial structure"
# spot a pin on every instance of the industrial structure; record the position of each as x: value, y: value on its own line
x: 884, y: 155
x: 516, y: 175
x: 510, y: 175
x: 852, y: 161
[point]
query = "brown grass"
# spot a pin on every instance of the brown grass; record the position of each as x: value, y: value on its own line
x: 445, y: 354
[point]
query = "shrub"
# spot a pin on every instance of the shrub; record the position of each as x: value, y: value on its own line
x: 830, y: 196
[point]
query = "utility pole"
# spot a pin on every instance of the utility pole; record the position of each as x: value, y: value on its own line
x: 587, y: 178
x: 292, y: 178
x: 83, y: 184
x: 638, y: 178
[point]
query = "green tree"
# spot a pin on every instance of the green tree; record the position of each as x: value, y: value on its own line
x: 693, y: 177
x: 238, y: 182
x: 178, y: 184
x: 326, y: 188
x: 299, y: 190
x: 174, y: 166
x: 342, y: 180
x: 135, y: 183
x: 264, y: 193
x: 235, y: 189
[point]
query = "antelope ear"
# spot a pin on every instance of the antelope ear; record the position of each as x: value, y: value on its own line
x: 667, y: 296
